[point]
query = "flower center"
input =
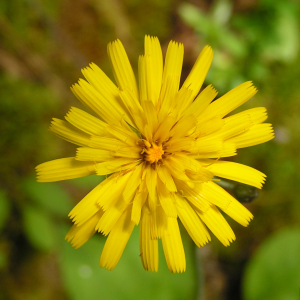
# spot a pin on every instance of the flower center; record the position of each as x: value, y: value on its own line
x: 153, y: 153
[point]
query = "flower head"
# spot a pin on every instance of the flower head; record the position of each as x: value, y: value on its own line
x: 161, y: 146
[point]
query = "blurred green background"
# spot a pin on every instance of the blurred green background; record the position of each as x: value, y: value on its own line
x: 43, y: 46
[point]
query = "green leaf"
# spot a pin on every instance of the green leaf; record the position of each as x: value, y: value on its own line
x: 87, y: 182
x: 51, y: 196
x: 84, y: 279
x: 222, y: 11
x: 194, y: 17
x: 273, y: 272
x: 4, y: 209
x: 39, y: 228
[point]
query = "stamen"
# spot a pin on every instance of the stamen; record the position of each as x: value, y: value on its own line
x: 154, y: 153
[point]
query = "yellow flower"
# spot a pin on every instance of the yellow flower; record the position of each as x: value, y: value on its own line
x: 162, y: 145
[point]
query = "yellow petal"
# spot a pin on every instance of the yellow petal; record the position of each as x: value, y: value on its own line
x: 96, y: 101
x: 239, y: 123
x: 182, y: 144
x: 130, y: 101
x: 202, y: 101
x: 87, y: 207
x: 166, y: 178
x: 237, y: 172
x: 153, y: 68
x: 228, y: 149
x: 234, y: 126
x: 148, y: 133
x: 69, y: 133
x: 171, y: 78
x: 151, y: 116
x: 153, y: 225
x: 132, y: 185
x: 128, y: 152
x: 181, y: 101
x: 161, y: 221
x: 63, y: 169
x: 208, y: 143
x: 230, y: 101
x: 107, y: 89
x: 112, y: 191
x: 192, y: 223
x: 167, y: 96
x: 138, y: 202
x: 158, y: 222
x: 148, y: 246
x: 173, y: 63
x: 78, y: 235
x: 213, y: 193
x: 112, y: 166
x: 214, y: 220
x: 110, y: 217
x: 173, y: 248
x: 122, y: 69
x: 175, y: 168
x: 142, y: 79
x: 100, y: 81
x: 85, y: 122
x: 87, y: 101
x: 199, y: 71
x: 151, y: 181
x: 218, y: 196
x: 134, y: 108
x: 194, y: 169
x: 126, y: 136
x: 116, y: 241
x: 193, y: 194
x: 257, y: 115
x: 208, y: 127
x: 91, y: 154
x: 166, y: 200
x: 257, y: 134
x: 183, y: 126
x: 106, y: 143
x: 163, y: 131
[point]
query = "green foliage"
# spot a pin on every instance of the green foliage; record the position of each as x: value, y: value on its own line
x: 273, y: 272
x: 87, y: 182
x: 85, y: 280
x: 4, y: 209
x: 39, y: 228
x: 50, y: 196
x: 246, y: 44
x: 22, y: 112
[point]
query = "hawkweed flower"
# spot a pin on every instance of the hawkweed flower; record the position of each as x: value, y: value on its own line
x: 160, y: 146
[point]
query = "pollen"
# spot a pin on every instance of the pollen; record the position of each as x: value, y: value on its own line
x: 154, y: 153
